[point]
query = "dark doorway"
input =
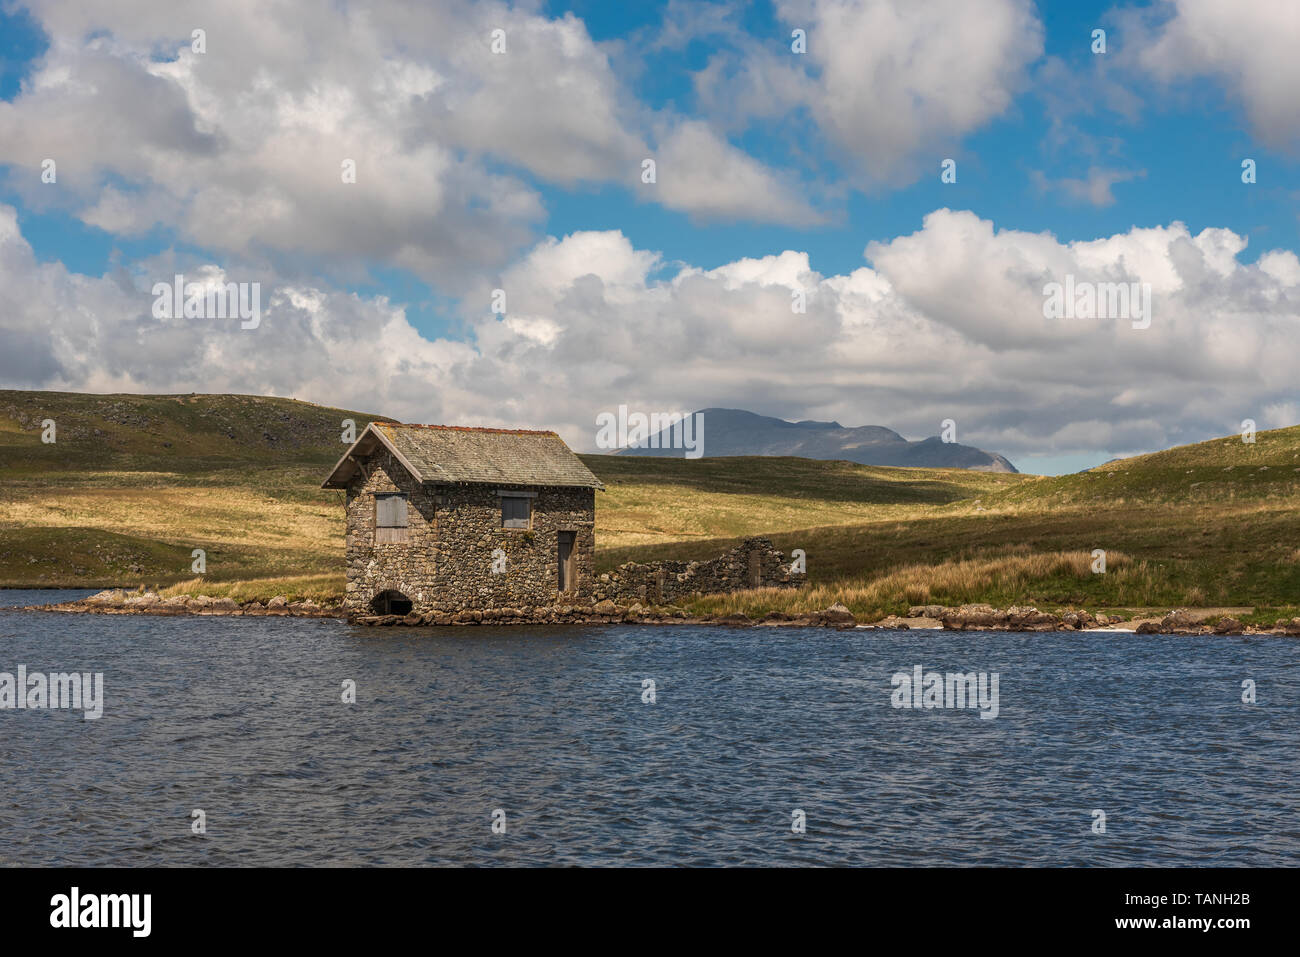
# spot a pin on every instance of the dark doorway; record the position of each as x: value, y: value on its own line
x: 391, y: 603
x: 565, y: 561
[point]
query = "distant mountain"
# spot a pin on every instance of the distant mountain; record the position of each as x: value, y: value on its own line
x: 737, y: 432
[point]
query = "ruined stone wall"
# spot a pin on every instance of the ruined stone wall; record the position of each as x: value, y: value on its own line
x: 754, y: 563
x: 447, y: 562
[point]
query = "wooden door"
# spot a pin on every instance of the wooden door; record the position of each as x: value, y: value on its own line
x: 565, y: 561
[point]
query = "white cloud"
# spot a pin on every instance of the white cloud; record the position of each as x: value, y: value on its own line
x: 699, y: 172
x: 1095, y: 188
x: 946, y: 322
x: 892, y: 84
x: 1249, y: 47
x: 240, y: 149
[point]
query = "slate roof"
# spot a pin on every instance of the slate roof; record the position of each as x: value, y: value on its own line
x: 449, y: 454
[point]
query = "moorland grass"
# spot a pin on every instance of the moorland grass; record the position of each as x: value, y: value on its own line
x: 134, y: 484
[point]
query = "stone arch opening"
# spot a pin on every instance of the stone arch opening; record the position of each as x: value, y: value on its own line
x: 391, y: 602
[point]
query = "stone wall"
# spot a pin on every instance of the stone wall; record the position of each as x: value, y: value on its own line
x: 472, y: 531
x: 754, y: 563
x: 408, y: 567
x: 447, y: 562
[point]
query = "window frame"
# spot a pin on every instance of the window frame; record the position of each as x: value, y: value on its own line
x: 392, y: 534
x: 528, y: 505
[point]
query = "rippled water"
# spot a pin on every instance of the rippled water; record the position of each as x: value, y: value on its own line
x: 243, y: 718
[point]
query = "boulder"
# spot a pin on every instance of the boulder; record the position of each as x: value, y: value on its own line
x: 1029, y: 618
x: 896, y: 623
x: 735, y: 620
x: 1229, y: 626
x: 837, y: 614
x: 1179, y: 620
x: 928, y: 611
x: 978, y: 616
x: 1076, y: 620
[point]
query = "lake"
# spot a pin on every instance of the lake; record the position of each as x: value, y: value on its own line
x: 547, y: 728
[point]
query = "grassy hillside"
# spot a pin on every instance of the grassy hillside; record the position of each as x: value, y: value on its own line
x: 134, y: 483
x: 1211, y: 524
x: 677, y: 502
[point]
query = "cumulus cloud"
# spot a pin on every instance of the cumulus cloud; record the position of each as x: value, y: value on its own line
x: 889, y: 83
x: 240, y: 149
x: 945, y: 322
x: 1249, y: 47
x: 700, y: 173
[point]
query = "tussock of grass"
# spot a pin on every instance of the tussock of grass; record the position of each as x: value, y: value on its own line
x: 322, y: 589
x: 992, y: 579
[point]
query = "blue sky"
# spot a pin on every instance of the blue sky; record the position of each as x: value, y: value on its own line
x: 1161, y: 121
x: 1190, y: 147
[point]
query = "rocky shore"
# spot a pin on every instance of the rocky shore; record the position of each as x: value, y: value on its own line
x: 120, y: 602
x: 607, y: 613
x: 1180, y: 621
x: 978, y: 617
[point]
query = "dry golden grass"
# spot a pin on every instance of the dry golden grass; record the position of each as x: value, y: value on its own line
x: 322, y: 589
x: 116, y: 503
x: 947, y: 583
x: 654, y: 514
x: 653, y: 501
x: 181, y: 515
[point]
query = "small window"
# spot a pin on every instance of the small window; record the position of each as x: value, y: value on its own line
x: 390, y: 518
x: 515, y: 511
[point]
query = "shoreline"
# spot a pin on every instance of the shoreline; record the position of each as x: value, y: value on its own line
x: 979, y: 617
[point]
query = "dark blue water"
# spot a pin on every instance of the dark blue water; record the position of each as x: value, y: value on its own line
x: 243, y: 719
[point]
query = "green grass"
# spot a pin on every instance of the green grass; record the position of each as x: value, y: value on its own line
x: 1208, y: 525
x: 135, y: 483
x: 322, y: 589
x: 689, y: 505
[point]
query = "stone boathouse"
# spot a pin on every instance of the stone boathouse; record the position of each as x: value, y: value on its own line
x: 447, y: 518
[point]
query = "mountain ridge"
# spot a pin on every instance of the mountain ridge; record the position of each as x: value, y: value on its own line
x: 732, y: 432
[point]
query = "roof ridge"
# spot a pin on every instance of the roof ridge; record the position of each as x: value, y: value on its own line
x: 467, y: 428
x: 451, y: 453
